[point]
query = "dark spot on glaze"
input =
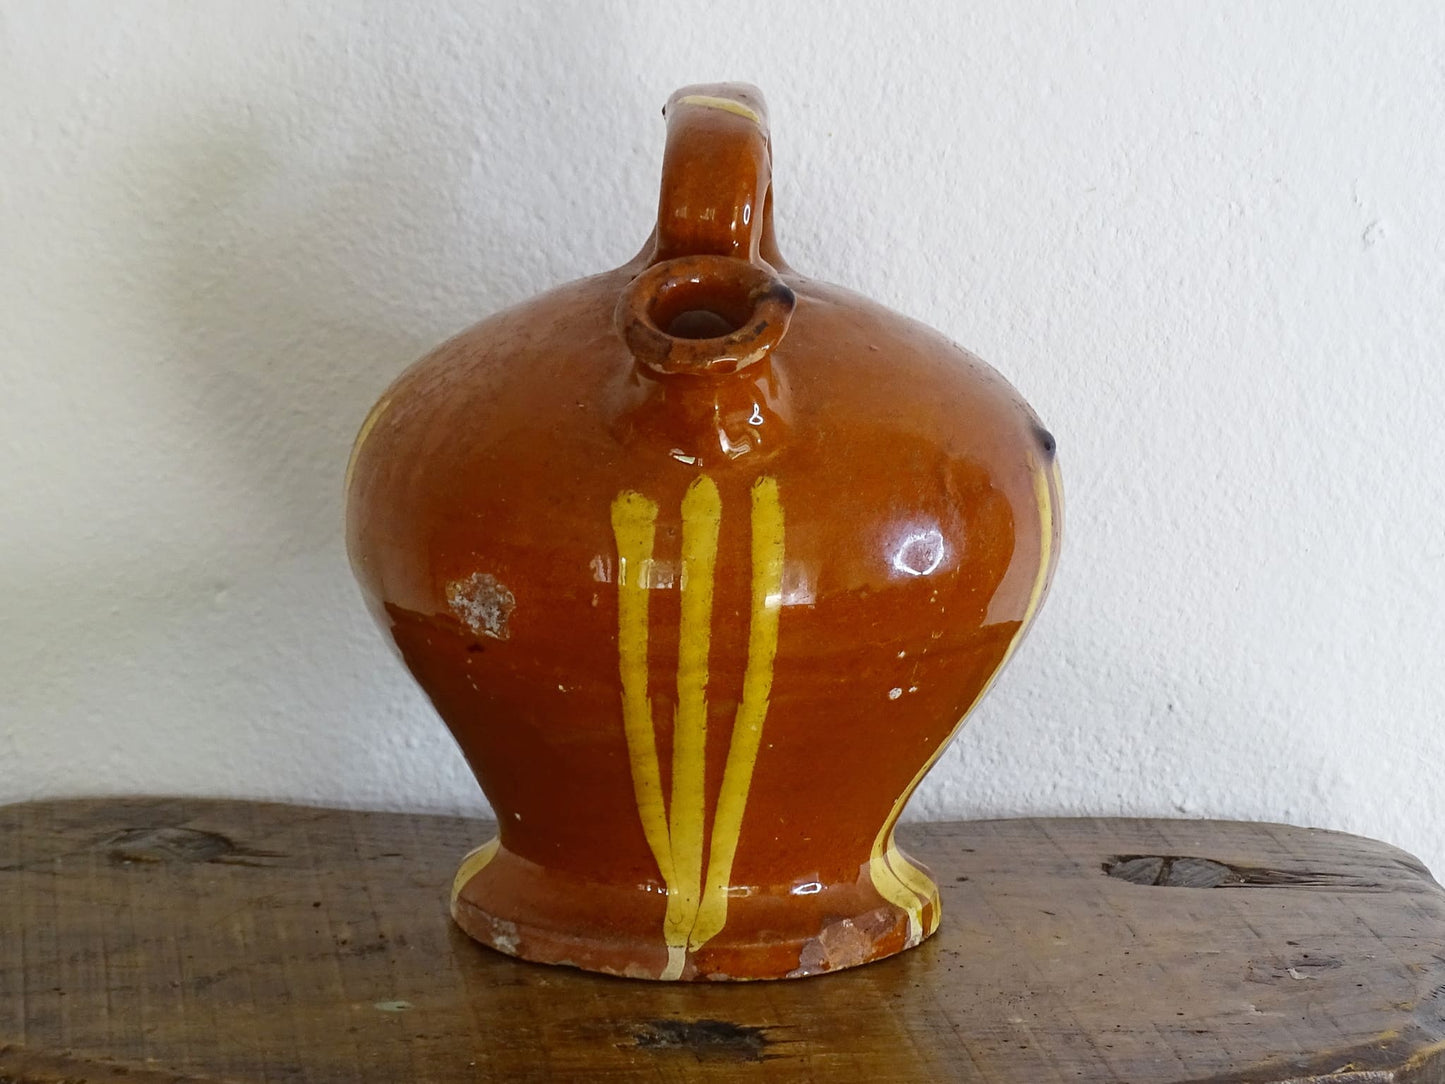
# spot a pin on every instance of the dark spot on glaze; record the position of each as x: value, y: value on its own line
x: 781, y: 291
x: 1046, y: 441
x: 474, y: 648
x: 716, y: 1040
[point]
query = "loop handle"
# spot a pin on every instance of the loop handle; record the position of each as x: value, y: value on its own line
x: 716, y: 176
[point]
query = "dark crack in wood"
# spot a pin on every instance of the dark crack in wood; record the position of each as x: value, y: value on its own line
x: 1185, y: 871
x: 173, y: 844
x: 708, y: 1040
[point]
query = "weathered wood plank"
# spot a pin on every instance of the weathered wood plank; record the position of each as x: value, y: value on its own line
x: 186, y: 940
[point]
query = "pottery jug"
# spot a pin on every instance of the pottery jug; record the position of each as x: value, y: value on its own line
x: 702, y: 562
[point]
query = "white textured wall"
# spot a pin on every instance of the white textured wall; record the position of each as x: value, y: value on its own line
x: 1207, y: 240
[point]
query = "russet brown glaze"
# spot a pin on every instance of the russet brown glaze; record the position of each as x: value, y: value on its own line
x: 702, y: 562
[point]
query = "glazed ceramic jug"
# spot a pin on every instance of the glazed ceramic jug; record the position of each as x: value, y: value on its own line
x: 703, y: 562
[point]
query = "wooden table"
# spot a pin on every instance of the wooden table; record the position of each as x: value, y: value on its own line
x: 144, y: 941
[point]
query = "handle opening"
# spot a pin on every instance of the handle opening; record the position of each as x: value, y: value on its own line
x: 715, y: 195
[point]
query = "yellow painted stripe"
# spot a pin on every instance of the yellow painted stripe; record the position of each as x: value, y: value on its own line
x: 701, y: 515
x: 891, y: 880
x: 473, y: 864
x: 891, y: 887
x: 367, y: 426
x: 729, y: 105
x: 919, y: 882
x: 1056, y: 520
x: 767, y: 597
x: 634, y: 520
x: 1046, y: 484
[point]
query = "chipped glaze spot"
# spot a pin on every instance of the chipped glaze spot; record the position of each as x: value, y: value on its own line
x: 483, y: 604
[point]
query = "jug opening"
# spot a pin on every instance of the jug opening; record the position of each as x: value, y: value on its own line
x: 693, y: 309
x: 703, y: 314
x: 700, y: 324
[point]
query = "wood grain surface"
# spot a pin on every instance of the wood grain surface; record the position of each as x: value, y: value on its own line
x: 173, y: 940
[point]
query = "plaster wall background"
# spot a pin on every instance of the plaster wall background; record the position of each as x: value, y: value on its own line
x: 1206, y: 240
